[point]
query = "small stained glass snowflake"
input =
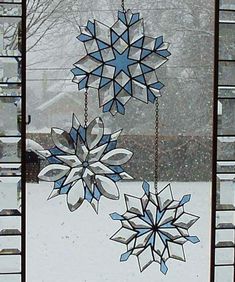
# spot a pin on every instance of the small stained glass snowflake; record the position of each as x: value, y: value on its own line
x: 121, y: 62
x: 155, y: 228
x: 85, y: 164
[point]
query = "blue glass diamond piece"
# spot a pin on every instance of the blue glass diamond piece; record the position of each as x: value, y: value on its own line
x: 59, y: 183
x: 146, y: 218
x: 164, y: 53
x: 111, y: 146
x: 91, y: 27
x: 117, y: 88
x: 84, y: 37
x: 125, y: 256
x: 82, y: 133
x: 54, y: 160
x: 77, y: 71
x: 116, y: 216
x: 122, y: 17
x: 114, y: 37
x: 163, y: 237
x: 138, y: 43
x: 127, y: 87
x: 185, y: 199
x: 146, y: 187
x: 145, y: 53
x: 142, y: 231
x: 107, y: 107
x: 65, y: 189
x: 88, y: 195
x: 151, y: 96
x: 146, y: 69
x: 102, y: 45
x: 74, y: 134
x: 83, y: 83
x: 159, y: 215
x: 158, y: 42
x: 104, y: 81
x: 98, y: 71
x: 97, y: 56
x: 114, y: 177
x: 151, y: 240
x: 193, y: 239
x: 157, y: 85
x: 135, y: 18
x: 120, y: 107
x: 97, y: 194
x: 125, y: 36
x: 167, y: 225
x: 163, y: 267
x: 140, y: 78
x: 105, y: 139
x: 117, y: 168
x: 56, y: 151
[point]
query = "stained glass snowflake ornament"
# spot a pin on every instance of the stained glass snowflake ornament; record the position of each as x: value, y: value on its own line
x: 121, y: 62
x: 85, y: 164
x: 155, y: 228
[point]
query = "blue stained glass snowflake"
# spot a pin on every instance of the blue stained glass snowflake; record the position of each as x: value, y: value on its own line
x: 155, y: 228
x: 85, y: 163
x: 121, y: 62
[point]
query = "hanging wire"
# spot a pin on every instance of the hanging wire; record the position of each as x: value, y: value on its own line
x: 86, y: 108
x: 123, y: 5
x: 156, y: 146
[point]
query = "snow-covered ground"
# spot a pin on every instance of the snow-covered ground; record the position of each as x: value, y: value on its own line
x: 66, y: 247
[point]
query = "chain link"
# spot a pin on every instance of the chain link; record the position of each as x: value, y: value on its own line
x: 123, y: 5
x: 86, y: 108
x: 156, y: 145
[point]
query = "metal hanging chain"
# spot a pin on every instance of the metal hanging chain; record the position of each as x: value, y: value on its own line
x: 86, y: 108
x: 123, y: 5
x: 156, y: 146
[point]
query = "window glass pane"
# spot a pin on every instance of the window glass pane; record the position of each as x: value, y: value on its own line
x: 224, y: 256
x: 10, y: 150
x: 10, y: 200
x: 226, y: 117
x: 10, y: 70
x: 10, y: 115
x: 227, y: 42
x: 225, y: 219
x: 226, y: 148
x: 225, y: 238
x: 226, y: 191
x: 10, y: 225
x: 10, y: 264
x: 10, y: 245
x: 224, y: 274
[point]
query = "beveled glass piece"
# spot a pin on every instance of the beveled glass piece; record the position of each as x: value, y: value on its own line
x: 10, y: 245
x: 226, y: 91
x: 226, y: 148
x: 226, y: 37
x: 226, y: 117
x: 224, y: 256
x: 10, y: 10
x: 75, y: 196
x: 107, y: 187
x: 225, y: 191
x: 10, y: 44
x: 176, y: 251
x: 10, y: 278
x: 10, y: 90
x: 225, y: 219
x: 165, y: 197
x: 225, y: 238
x: 10, y: 70
x: 62, y: 140
x: 133, y: 205
x: 95, y: 132
x: 10, y: 200
x: 145, y: 258
x: 10, y: 169
x: 10, y: 225
x: 225, y: 166
x: 224, y: 274
x: 102, y: 32
x: 10, y: 264
x: 10, y: 149
x: 226, y: 73
x: 9, y: 116
x: 117, y: 157
x: 53, y: 172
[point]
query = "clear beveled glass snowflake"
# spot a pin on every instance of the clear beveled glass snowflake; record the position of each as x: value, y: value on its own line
x: 121, y: 62
x: 155, y: 228
x: 85, y: 164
